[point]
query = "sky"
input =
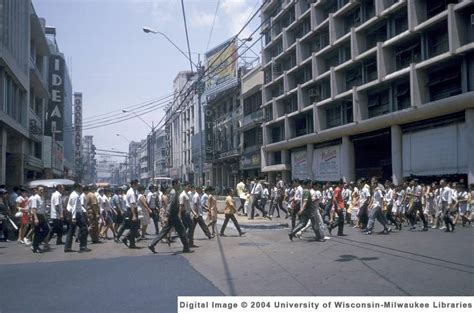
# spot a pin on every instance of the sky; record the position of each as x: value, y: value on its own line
x: 116, y: 65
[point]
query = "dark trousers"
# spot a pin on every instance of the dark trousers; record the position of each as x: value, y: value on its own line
x: 256, y: 204
x: 447, y: 217
x: 178, y: 226
x: 133, y: 233
x: 155, y: 216
x: 363, y: 216
x: 234, y: 220
x: 327, y: 212
x: 241, y: 206
x: 189, y: 227
x: 339, y: 223
x: 41, y: 231
x: 416, y: 209
x: 58, y: 230
x: 199, y: 220
x: 124, y: 226
x: 293, y: 214
x: 389, y: 215
x: 83, y: 232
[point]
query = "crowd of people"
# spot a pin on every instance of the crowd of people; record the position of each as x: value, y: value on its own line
x: 331, y: 206
x: 127, y: 212
x: 124, y: 212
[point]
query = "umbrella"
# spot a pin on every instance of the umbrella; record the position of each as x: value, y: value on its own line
x: 50, y: 183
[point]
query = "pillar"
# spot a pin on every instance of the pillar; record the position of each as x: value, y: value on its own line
x: 285, y: 159
x: 347, y: 160
x: 309, y: 160
x: 3, y: 155
x: 470, y: 145
x: 397, y: 155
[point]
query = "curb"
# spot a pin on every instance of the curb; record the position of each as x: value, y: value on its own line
x: 254, y: 226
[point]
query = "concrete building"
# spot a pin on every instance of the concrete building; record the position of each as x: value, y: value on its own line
x: 160, y: 155
x: 368, y: 88
x: 133, y: 160
x: 23, y: 92
x: 182, y: 119
x: 251, y: 123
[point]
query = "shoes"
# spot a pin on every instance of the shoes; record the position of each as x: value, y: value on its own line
x: 134, y: 247
x: 298, y: 235
x: 242, y: 233
x: 342, y: 235
x: 327, y: 238
x: 250, y: 218
x: 369, y: 232
x: 68, y: 250
x: 38, y: 250
x: 21, y: 241
x: 212, y: 236
x: 27, y: 241
x: 125, y: 241
x: 152, y: 249
x: 443, y: 227
x: 290, y: 236
x: 222, y: 235
x: 188, y: 251
x: 447, y: 230
x: 97, y: 242
x: 434, y: 227
x: 286, y: 216
x: 330, y: 230
x: 269, y: 217
x: 321, y: 240
x: 193, y: 246
x: 387, y: 231
x: 85, y: 249
x: 425, y: 228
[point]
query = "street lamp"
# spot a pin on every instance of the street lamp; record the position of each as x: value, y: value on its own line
x: 120, y: 135
x: 149, y: 30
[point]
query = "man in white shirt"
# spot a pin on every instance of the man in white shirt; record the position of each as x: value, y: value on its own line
x: 257, y: 192
x: 446, y: 205
x: 198, y: 205
x: 414, y: 192
x: 376, y: 210
x: 364, y: 199
x: 131, y: 204
x: 240, y: 188
x: 187, y: 214
x: 78, y: 219
x: 41, y: 227
x: 152, y: 201
x: 57, y: 215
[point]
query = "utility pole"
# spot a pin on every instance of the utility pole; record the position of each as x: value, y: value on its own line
x: 200, y: 91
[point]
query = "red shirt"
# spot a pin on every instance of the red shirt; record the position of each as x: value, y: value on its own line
x: 337, y: 196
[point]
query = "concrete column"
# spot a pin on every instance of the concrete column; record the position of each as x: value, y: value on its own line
x: 397, y: 155
x: 347, y: 159
x: 470, y: 145
x: 285, y: 159
x: 3, y: 155
x: 309, y: 160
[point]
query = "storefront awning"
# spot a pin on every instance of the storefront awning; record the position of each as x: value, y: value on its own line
x: 276, y: 168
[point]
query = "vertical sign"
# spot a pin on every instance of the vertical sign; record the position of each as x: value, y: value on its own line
x: 78, y: 130
x: 54, y: 115
x: 169, y: 160
x: 209, y: 133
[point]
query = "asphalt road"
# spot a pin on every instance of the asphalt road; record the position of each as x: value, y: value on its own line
x: 112, y: 278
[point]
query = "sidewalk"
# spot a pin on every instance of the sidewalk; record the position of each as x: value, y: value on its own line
x: 256, y: 223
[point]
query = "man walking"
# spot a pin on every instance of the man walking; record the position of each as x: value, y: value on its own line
x: 240, y: 188
x: 57, y: 214
x: 131, y: 203
x: 338, y: 203
x: 199, y: 201
x: 77, y: 219
x: 93, y: 212
x: 172, y: 214
x: 38, y: 210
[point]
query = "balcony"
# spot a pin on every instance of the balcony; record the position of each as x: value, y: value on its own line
x: 251, y: 120
x: 229, y: 154
x: 33, y: 163
x: 38, y: 81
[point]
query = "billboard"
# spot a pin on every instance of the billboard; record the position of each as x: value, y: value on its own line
x: 221, y: 63
x: 327, y: 163
x: 299, y: 165
x: 78, y: 130
x: 54, y: 114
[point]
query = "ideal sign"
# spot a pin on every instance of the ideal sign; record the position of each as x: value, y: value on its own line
x: 54, y: 115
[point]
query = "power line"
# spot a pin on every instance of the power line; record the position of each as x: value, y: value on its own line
x: 187, y: 36
x: 213, y: 22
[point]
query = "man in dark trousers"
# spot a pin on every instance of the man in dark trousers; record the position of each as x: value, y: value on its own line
x: 77, y: 218
x: 174, y: 220
x: 338, y: 203
x: 134, y: 222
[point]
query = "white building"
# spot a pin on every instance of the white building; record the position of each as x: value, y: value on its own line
x: 368, y: 88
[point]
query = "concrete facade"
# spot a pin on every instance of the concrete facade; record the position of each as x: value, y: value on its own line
x: 352, y: 82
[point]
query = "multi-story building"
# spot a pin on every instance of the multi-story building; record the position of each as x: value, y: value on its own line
x: 159, y: 159
x: 142, y: 156
x: 251, y: 124
x: 89, y: 160
x: 182, y: 119
x: 133, y: 160
x: 368, y: 88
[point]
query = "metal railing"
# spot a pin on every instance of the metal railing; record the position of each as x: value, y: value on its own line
x: 254, y: 117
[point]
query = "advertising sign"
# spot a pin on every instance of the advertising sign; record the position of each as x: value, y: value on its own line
x: 221, y: 63
x: 327, y: 163
x: 299, y: 165
x: 168, y: 158
x: 54, y: 115
x: 78, y: 130
x: 208, y: 133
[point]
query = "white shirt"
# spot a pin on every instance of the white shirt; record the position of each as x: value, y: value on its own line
x: 299, y: 195
x: 265, y: 193
x: 37, y: 203
x: 56, y: 200
x: 197, y: 203
x: 23, y: 206
x: 184, y: 201
x: 100, y: 201
x: 74, y: 204
x: 82, y: 200
x: 364, y: 195
x: 106, y: 205
x: 417, y: 191
x: 140, y: 207
x: 315, y: 196
x: 241, y: 190
x: 257, y: 189
x: 151, y: 200
x: 389, y: 196
x: 463, y: 195
x: 378, y: 196
x: 130, y: 198
x: 446, y: 194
